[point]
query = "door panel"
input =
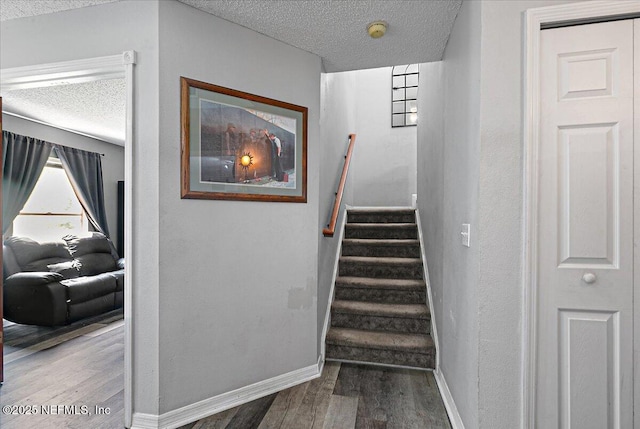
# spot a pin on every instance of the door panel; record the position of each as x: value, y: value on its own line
x: 588, y: 340
x: 585, y: 231
x: 589, y: 160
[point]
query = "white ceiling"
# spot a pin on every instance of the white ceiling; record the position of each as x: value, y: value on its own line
x: 335, y: 30
x: 96, y: 108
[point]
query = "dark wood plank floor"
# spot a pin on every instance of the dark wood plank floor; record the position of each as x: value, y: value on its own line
x: 84, y: 367
x: 346, y: 396
x: 80, y: 366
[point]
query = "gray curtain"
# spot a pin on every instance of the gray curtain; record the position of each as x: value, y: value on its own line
x: 84, y: 170
x: 23, y: 159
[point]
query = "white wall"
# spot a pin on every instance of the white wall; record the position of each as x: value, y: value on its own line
x: 112, y: 161
x: 337, y: 121
x: 384, y: 161
x: 238, y: 279
x: 96, y: 31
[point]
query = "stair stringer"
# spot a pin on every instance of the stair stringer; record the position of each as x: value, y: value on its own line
x: 434, y: 330
x: 327, y: 316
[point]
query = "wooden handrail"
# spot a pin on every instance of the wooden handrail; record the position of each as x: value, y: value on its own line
x: 331, y: 227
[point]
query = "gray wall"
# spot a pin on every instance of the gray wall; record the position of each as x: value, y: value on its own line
x: 112, y: 161
x: 384, y: 160
x: 500, y: 212
x: 337, y: 121
x: 448, y: 149
x: 238, y: 279
x: 430, y: 178
x: 470, y: 164
x: 96, y: 31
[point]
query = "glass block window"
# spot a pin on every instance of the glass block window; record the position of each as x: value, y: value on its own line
x: 404, y: 96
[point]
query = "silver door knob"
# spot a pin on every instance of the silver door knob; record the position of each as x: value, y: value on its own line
x: 589, y: 278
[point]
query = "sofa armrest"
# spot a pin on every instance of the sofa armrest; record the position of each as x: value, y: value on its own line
x: 120, y: 264
x: 36, y: 298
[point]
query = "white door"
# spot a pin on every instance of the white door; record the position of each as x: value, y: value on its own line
x: 584, y: 373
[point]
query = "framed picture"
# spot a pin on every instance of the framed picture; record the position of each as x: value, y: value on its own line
x: 240, y: 146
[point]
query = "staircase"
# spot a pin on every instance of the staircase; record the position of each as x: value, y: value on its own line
x: 379, y: 313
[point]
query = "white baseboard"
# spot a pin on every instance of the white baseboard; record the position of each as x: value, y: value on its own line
x: 449, y: 403
x: 145, y: 421
x: 427, y: 280
x: 193, y: 412
x: 327, y: 316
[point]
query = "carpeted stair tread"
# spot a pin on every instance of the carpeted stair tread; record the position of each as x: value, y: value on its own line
x: 381, y: 215
x: 382, y: 225
x: 380, y: 260
x: 381, y: 247
x: 376, y: 340
x: 392, y: 242
x: 373, y: 230
x: 382, y: 241
x: 375, y: 283
x: 379, y: 313
x: 381, y: 211
x: 380, y: 267
x: 414, y: 311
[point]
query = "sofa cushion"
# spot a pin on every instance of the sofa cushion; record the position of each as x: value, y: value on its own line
x: 96, y: 263
x: 33, y: 278
x: 33, y: 256
x: 119, y: 276
x: 93, y: 253
x: 68, y: 269
x: 9, y: 264
x: 98, y: 305
x: 87, y: 288
x: 97, y: 243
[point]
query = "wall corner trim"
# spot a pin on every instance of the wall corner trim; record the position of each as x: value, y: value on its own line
x: 193, y: 412
x: 447, y: 398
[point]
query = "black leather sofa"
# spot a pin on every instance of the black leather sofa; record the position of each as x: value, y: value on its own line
x: 57, y: 283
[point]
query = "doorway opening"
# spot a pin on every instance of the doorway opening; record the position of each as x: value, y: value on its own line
x: 119, y: 66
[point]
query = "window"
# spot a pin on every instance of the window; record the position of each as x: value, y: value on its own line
x: 404, y: 96
x: 53, y: 210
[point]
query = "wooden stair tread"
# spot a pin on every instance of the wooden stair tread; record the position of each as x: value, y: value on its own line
x: 414, y: 311
x: 415, y: 343
x: 377, y: 283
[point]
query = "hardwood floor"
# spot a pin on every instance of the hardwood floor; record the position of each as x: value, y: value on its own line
x: 84, y: 367
x: 346, y: 396
x: 81, y: 369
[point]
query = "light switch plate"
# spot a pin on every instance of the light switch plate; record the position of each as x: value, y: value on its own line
x: 466, y: 234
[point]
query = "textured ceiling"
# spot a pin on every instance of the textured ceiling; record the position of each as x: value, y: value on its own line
x: 10, y: 9
x: 335, y: 30
x: 94, y: 108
